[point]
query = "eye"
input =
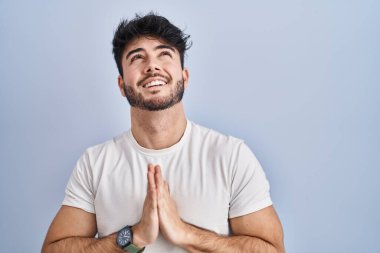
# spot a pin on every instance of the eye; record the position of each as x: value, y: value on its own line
x: 135, y: 57
x: 168, y: 53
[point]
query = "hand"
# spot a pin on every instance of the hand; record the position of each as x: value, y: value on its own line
x: 146, y: 231
x: 172, y: 227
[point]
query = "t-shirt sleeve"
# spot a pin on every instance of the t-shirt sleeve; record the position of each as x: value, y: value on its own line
x: 79, y: 190
x: 249, y: 187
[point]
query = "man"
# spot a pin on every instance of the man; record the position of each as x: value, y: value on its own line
x: 166, y: 185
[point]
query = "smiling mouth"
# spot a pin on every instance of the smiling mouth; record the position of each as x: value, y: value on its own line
x: 154, y: 83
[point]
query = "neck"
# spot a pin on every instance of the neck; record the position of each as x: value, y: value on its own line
x: 158, y: 129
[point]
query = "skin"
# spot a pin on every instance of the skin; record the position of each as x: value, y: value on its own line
x: 73, y: 229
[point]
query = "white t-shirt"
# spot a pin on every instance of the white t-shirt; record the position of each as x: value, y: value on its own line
x: 212, y: 177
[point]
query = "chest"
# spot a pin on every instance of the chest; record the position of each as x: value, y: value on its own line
x: 200, y: 188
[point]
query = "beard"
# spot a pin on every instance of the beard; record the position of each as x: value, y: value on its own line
x: 157, y: 104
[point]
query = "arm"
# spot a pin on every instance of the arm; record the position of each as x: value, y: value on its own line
x: 259, y: 232
x: 73, y: 230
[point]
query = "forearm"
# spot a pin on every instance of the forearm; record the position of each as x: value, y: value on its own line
x: 84, y: 245
x: 200, y: 240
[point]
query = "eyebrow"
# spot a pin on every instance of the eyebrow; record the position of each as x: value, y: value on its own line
x: 134, y: 51
x: 163, y: 46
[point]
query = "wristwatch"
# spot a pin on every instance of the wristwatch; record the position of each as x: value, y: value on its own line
x: 124, y: 240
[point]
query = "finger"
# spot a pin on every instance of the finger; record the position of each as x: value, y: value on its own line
x: 152, y: 192
x: 159, y: 182
x: 151, y: 181
x: 147, y: 177
x: 151, y: 168
x: 158, y: 176
x: 167, y: 187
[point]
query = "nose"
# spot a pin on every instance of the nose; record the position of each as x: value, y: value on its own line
x: 151, y: 67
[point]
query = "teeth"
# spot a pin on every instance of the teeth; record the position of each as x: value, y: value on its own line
x: 154, y: 83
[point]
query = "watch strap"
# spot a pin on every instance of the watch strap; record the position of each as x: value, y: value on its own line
x: 131, y: 248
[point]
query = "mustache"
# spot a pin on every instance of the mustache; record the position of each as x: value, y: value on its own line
x: 142, y: 81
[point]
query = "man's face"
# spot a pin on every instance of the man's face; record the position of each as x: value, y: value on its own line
x: 153, y: 78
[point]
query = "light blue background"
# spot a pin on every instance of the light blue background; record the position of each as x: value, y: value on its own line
x: 298, y: 80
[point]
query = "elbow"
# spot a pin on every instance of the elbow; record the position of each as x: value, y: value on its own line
x: 280, y: 247
x: 46, y: 248
x: 280, y: 250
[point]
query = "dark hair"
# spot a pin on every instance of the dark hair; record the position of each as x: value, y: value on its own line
x: 150, y: 25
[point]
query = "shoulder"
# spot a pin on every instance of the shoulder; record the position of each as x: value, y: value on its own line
x: 214, y: 140
x: 110, y: 147
x: 213, y: 135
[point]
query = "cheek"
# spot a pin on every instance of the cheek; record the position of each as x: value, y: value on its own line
x: 129, y: 81
x: 130, y: 77
x: 174, y: 70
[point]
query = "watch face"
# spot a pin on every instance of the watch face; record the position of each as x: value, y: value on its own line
x: 124, y: 237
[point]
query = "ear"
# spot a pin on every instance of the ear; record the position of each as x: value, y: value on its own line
x: 120, y: 83
x: 185, y: 77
